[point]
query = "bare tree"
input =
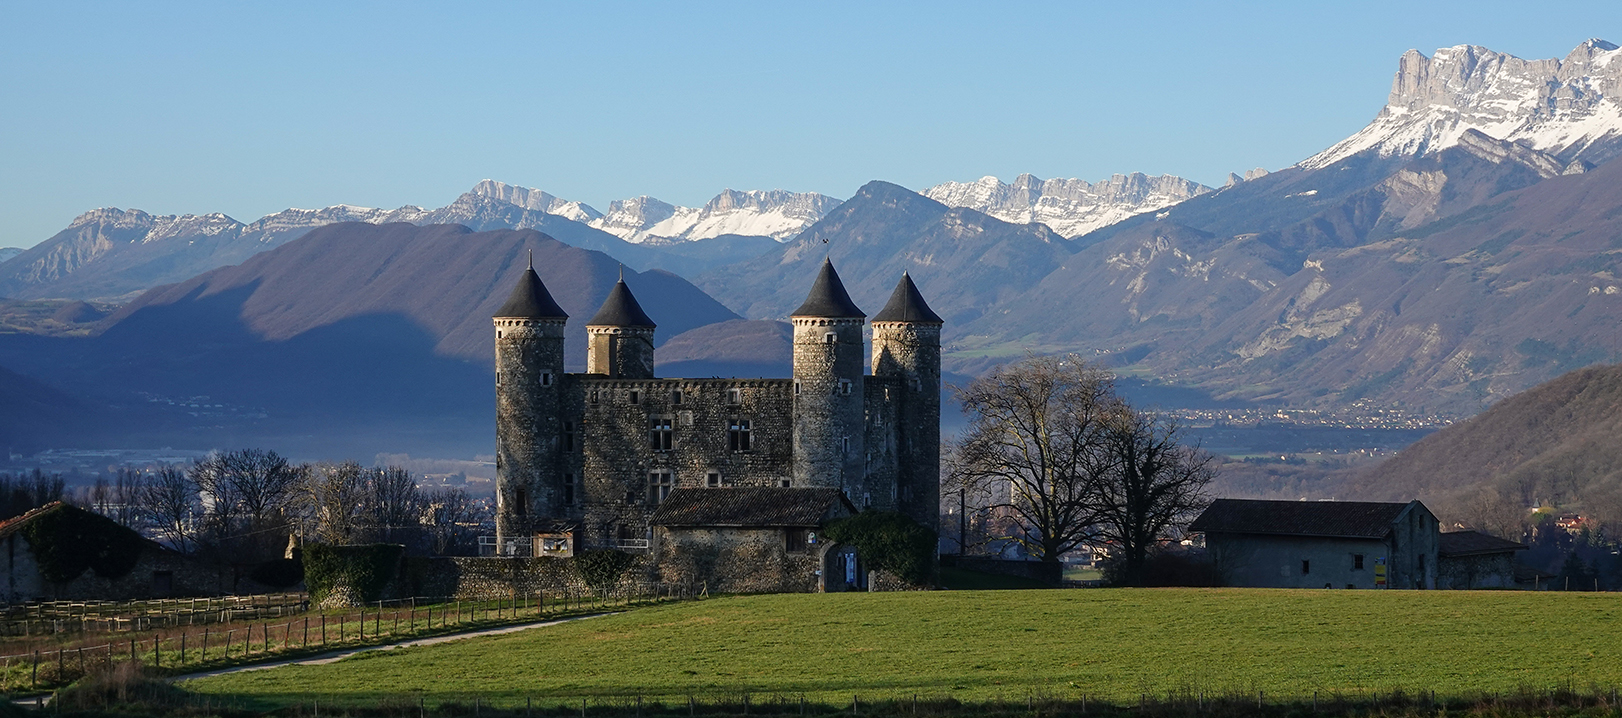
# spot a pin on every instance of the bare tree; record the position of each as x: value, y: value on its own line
x: 1150, y: 484
x: 395, y: 505
x: 245, y: 496
x: 1491, y: 511
x: 1034, y: 443
x: 453, y: 520
x: 334, y: 499
x: 169, y: 504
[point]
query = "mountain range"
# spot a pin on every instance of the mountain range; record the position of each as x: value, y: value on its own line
x: 1444, y: 273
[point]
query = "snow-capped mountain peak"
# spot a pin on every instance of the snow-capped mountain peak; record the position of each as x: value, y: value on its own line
x: 778, y: 214
x: 530, y: 198
x: 1570, y: 109
x: 1070, y: 207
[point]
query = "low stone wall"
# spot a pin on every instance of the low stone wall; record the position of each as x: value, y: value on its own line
x: 1047, y: 572
x: 881, y: 580
x: 493, y: 577
x: 735, y: 561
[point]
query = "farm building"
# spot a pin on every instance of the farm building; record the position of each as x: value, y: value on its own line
x: 755, y: 539
x: 1471, y: 559
x: 1321, y: 544
x: 62, y: 552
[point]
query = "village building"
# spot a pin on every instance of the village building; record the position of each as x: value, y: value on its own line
x: 1321, y: 544
x: 1471, y: 559
x: 616, y: 458
x: 60, y: 552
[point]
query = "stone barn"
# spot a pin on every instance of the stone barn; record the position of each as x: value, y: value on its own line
x: 61, y: 552
x: 1471, y: 559
x: 1321, y: 544
x: 753, y: 540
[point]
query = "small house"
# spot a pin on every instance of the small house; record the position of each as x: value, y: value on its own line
x: 63, y: 552
x: 754, y: 540
x: 1321, y: 544
x: 1471, y: 559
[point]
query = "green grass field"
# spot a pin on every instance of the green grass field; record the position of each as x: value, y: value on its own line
x: 980, y: 645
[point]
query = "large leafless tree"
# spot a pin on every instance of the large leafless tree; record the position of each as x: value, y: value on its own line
x: 1032, y: 448
x: 1150, y: 484
x: 168, y: 503
x: 1054, y: 457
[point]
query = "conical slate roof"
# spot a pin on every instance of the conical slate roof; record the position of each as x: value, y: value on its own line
x: 828, y: 297
x: 530, y: 300
x: 907, y: 305
x: 620, y: 309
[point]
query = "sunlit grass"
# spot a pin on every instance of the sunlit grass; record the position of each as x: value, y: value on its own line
x: 979, y: 645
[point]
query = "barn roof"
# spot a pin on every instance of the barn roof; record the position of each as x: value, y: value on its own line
x: 762, y: 507
x: 1341, y: 519
x: 1475, y: 543
x: 20, y: 521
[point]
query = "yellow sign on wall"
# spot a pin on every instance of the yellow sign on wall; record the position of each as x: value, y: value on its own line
x: 1379, y: 572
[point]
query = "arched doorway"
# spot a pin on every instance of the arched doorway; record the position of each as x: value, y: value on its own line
x: 843, y: 570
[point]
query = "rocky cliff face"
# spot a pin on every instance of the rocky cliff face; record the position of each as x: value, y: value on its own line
x: 1071, y: 207
x: 1569, y: 109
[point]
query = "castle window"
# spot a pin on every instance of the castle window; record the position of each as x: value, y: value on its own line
x: 568, y: 437
x: 675, y: 396
x: 593, y: 396
x: 784, y: 483
x: 498, y: 377
x: 659, y: 485
x: 521, y: 499
x: 844, y: 444
x: 636, y: 397
x: 1306, y: 567
x: 1357, y: 562
x: 659, y: 433
x: 546, y: 378
x: 734, y: 396
x: 568, y: 490
x: 844, y: 387
x: 830, y: 338
x: 796, y: 385
x: 498, y: 333
x: 738, y: 438
x: 712, y: 479
x: 795, y: 540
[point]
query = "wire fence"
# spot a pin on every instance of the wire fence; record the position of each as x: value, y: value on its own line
x: 66, y: 617
x: 183, y: 649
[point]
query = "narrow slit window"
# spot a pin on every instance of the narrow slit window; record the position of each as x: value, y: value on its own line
x: 734, y: 396
x: 675, y: 396
x: 568, y: 490
x: 568, y: 437
x: 546, y: 378
x: 636, y: 397
x: 1306, y: 567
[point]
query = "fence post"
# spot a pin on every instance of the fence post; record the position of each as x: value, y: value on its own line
x: 157, y: 655
x: 323, y: 630
x: 132, y: 650
x: 182, y: 648
x: 33, y: 679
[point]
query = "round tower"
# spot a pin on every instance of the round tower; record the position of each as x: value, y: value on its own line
x: 620, y: 337
x: 829, y: 404
x: 529, y: 374
x: 907, y: 346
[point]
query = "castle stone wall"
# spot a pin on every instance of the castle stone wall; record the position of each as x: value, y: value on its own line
x: 829, y: 403
x: 529, y: 376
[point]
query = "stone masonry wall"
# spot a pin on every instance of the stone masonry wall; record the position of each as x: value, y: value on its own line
x: 614, y: 457
x: 736, y: 560
x: 910, y: 355
x: 529, y: 374
x: 829, y: 403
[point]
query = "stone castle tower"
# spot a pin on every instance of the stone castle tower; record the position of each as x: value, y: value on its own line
x: 592, y: 456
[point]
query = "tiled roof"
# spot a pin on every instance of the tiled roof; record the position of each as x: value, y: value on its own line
x: 1348, y: 519
x: 907, y: 305
x: 15, y: 523
x: 828, y: 298
x: 747, y: 507
x: 1475, y: 543
x: 621, y: 309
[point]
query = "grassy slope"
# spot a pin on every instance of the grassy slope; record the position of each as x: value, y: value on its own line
x: 982, y: 644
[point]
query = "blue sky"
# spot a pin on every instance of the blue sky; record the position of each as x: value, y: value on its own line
x: 251, y: 108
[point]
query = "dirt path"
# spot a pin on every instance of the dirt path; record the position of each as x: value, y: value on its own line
x: 347, y: 652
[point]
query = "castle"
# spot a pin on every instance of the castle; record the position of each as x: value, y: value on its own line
x: 588, y: 460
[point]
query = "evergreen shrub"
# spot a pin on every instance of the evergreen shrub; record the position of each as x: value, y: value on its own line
x: 890, y: 541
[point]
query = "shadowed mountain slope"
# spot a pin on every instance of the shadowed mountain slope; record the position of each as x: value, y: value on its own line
x: 1556, y: 442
